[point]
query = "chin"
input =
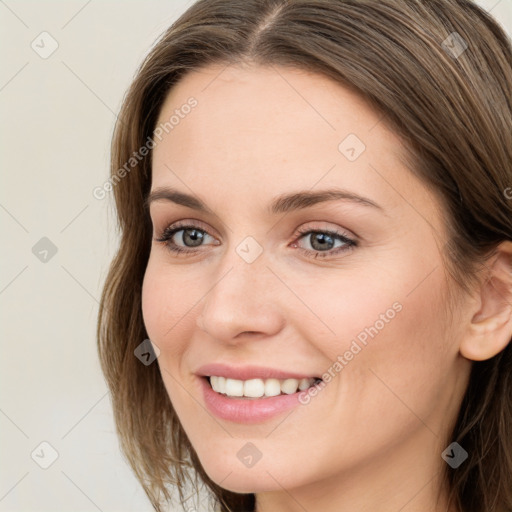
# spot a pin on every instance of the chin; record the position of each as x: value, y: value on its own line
x: 246, y: 483
x: 263, y: 477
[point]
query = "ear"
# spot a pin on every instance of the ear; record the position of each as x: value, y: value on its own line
x: 490, y: 330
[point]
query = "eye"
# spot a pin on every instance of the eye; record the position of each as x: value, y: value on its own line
x: 188, y: 234
x: 322, y: 242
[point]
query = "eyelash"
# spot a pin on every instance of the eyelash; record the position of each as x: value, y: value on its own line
x: 170, y: 231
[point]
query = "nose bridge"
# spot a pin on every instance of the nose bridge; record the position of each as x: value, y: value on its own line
x: 242, y: 298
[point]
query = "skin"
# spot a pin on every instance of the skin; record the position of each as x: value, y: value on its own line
x: 372, y: 438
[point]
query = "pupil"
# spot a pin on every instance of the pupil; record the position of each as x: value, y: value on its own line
x: 322, y: 239
x: 195, y: 237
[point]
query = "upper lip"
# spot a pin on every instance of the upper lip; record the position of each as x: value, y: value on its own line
x: 248, y: 372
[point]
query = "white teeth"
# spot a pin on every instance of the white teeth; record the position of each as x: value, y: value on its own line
x: 214, y: 384
x: 234, y: 387
x: 256, y: 388
x: 289, y: 386
x: 304, y: 384
x: 218, y: 384
x: 272, y: 387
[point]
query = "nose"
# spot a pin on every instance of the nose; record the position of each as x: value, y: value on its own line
x: 244, y: 301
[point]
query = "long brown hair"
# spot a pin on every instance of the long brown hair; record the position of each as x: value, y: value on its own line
x: 440, y: 71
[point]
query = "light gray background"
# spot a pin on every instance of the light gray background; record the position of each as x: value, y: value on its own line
x: 57, y: 118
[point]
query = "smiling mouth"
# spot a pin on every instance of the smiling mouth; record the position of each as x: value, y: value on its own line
x: 259, y: 388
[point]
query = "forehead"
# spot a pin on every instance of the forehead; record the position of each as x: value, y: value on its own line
x: 256, y: 131
x: 270, y: 104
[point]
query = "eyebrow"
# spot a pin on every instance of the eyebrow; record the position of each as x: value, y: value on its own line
x: 281, y: 204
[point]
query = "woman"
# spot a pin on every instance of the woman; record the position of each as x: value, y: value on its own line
x: 314, y: 199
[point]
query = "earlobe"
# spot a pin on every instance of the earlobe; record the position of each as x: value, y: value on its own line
x: 490, y: 330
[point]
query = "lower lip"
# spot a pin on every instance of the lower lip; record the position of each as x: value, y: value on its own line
x: 242, y: 410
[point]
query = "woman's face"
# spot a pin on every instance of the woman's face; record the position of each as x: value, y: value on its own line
x: 351, y: 289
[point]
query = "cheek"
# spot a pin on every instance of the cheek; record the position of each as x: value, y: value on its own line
x: 153, y: 302
x: 404, y: 353
x: 396, y: 307
x: 392, y: 334
x: 165, y: 303
x: 167, y: 309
